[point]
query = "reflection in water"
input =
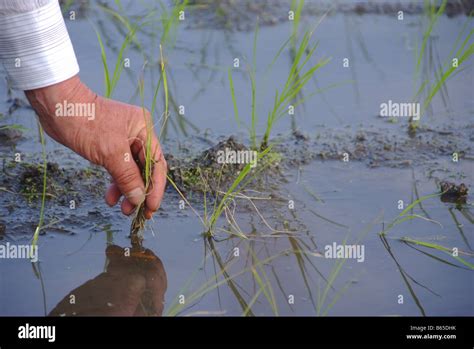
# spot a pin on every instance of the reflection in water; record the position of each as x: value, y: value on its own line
x: 134, y: 284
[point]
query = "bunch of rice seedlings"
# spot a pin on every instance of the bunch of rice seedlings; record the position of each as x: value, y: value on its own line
x: 297, y: 79
x: 138, y: 223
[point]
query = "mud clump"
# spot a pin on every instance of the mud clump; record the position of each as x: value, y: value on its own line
x: 450, y: 192
x: 205, y: 173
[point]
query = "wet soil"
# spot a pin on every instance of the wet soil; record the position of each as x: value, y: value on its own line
x: 199, y: 171
x: 241, y: 15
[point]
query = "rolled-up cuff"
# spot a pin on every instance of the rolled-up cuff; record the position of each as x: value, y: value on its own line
x: 35, y: 48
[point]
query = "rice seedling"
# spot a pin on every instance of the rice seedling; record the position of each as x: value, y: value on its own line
x: 441, y: 248
x: 405, y: 215
x: 238, y: 184
x: 138, y: 221
x: 263, y: 284
x: 296, y: 81
x: 297, y: 8
x: 170, y: 19
x: 111, y: 81
x: 417, y: 195
x: 435, y: 83
x: 225, y: 276
x: 434, y: 257
x: 432, y: 16
x: 459, y: 227
x: 405, y: 276
x: 12, y: 127
x: 323, y: 306
x: 43, y: 194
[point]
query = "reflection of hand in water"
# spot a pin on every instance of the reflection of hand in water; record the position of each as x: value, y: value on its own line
x: 133, y: 285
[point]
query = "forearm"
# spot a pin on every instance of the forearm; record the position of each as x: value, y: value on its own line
x: 45, y: 101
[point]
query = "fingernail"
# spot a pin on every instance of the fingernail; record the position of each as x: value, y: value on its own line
x: 136, y: 196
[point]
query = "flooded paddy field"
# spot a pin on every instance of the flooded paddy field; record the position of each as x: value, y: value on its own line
x: 359, y: 200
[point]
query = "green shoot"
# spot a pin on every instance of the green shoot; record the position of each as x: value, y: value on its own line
x: 43, y: 195
x: 447, y: 250
x: 295, y: 82
x: 111, y: 82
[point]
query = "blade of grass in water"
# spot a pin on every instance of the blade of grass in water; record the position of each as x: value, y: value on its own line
x: 165, y: 82
x: 459, y: 227
x: 403, y: 274
x: 234, y: 100
x: 13, y: 127
x: 443, y: 73
x: 447, y: 250
x: 297, y: 8
x: 111, y: 82
x: 105, y: 65
x: 169, y: 19
x: 433, y: 18
x: 43, y: 194
x: 403, y: 217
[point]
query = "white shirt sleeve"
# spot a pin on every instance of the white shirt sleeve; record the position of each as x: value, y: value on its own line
x: 35, y: 47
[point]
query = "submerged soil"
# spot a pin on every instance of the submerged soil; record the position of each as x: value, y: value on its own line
x: 199, y: 172
x: 240, y: 15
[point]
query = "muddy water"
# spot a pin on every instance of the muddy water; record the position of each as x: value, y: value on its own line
x: 319, y: 203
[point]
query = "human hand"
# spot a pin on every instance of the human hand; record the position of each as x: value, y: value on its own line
x: 113, y: 137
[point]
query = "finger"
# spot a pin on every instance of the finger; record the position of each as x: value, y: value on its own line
x: 138, y: 151
x: 158, y: 183
x: 148, y: 213
x: 113, y: 194
x: 127, y: 207
x: 126, y: 175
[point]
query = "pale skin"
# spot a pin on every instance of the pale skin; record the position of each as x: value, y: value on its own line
x: 113, y: 140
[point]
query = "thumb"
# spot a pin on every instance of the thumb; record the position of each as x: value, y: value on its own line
x: 127, y: 177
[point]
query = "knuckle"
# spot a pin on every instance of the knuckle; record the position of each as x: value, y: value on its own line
x: 123, y: 175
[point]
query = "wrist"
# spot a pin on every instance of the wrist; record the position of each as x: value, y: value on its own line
x: 44, y: 100
x: 48, y: 103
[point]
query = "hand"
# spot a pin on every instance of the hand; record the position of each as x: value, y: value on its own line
x: 113, y: 137
x: 133, y: 285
